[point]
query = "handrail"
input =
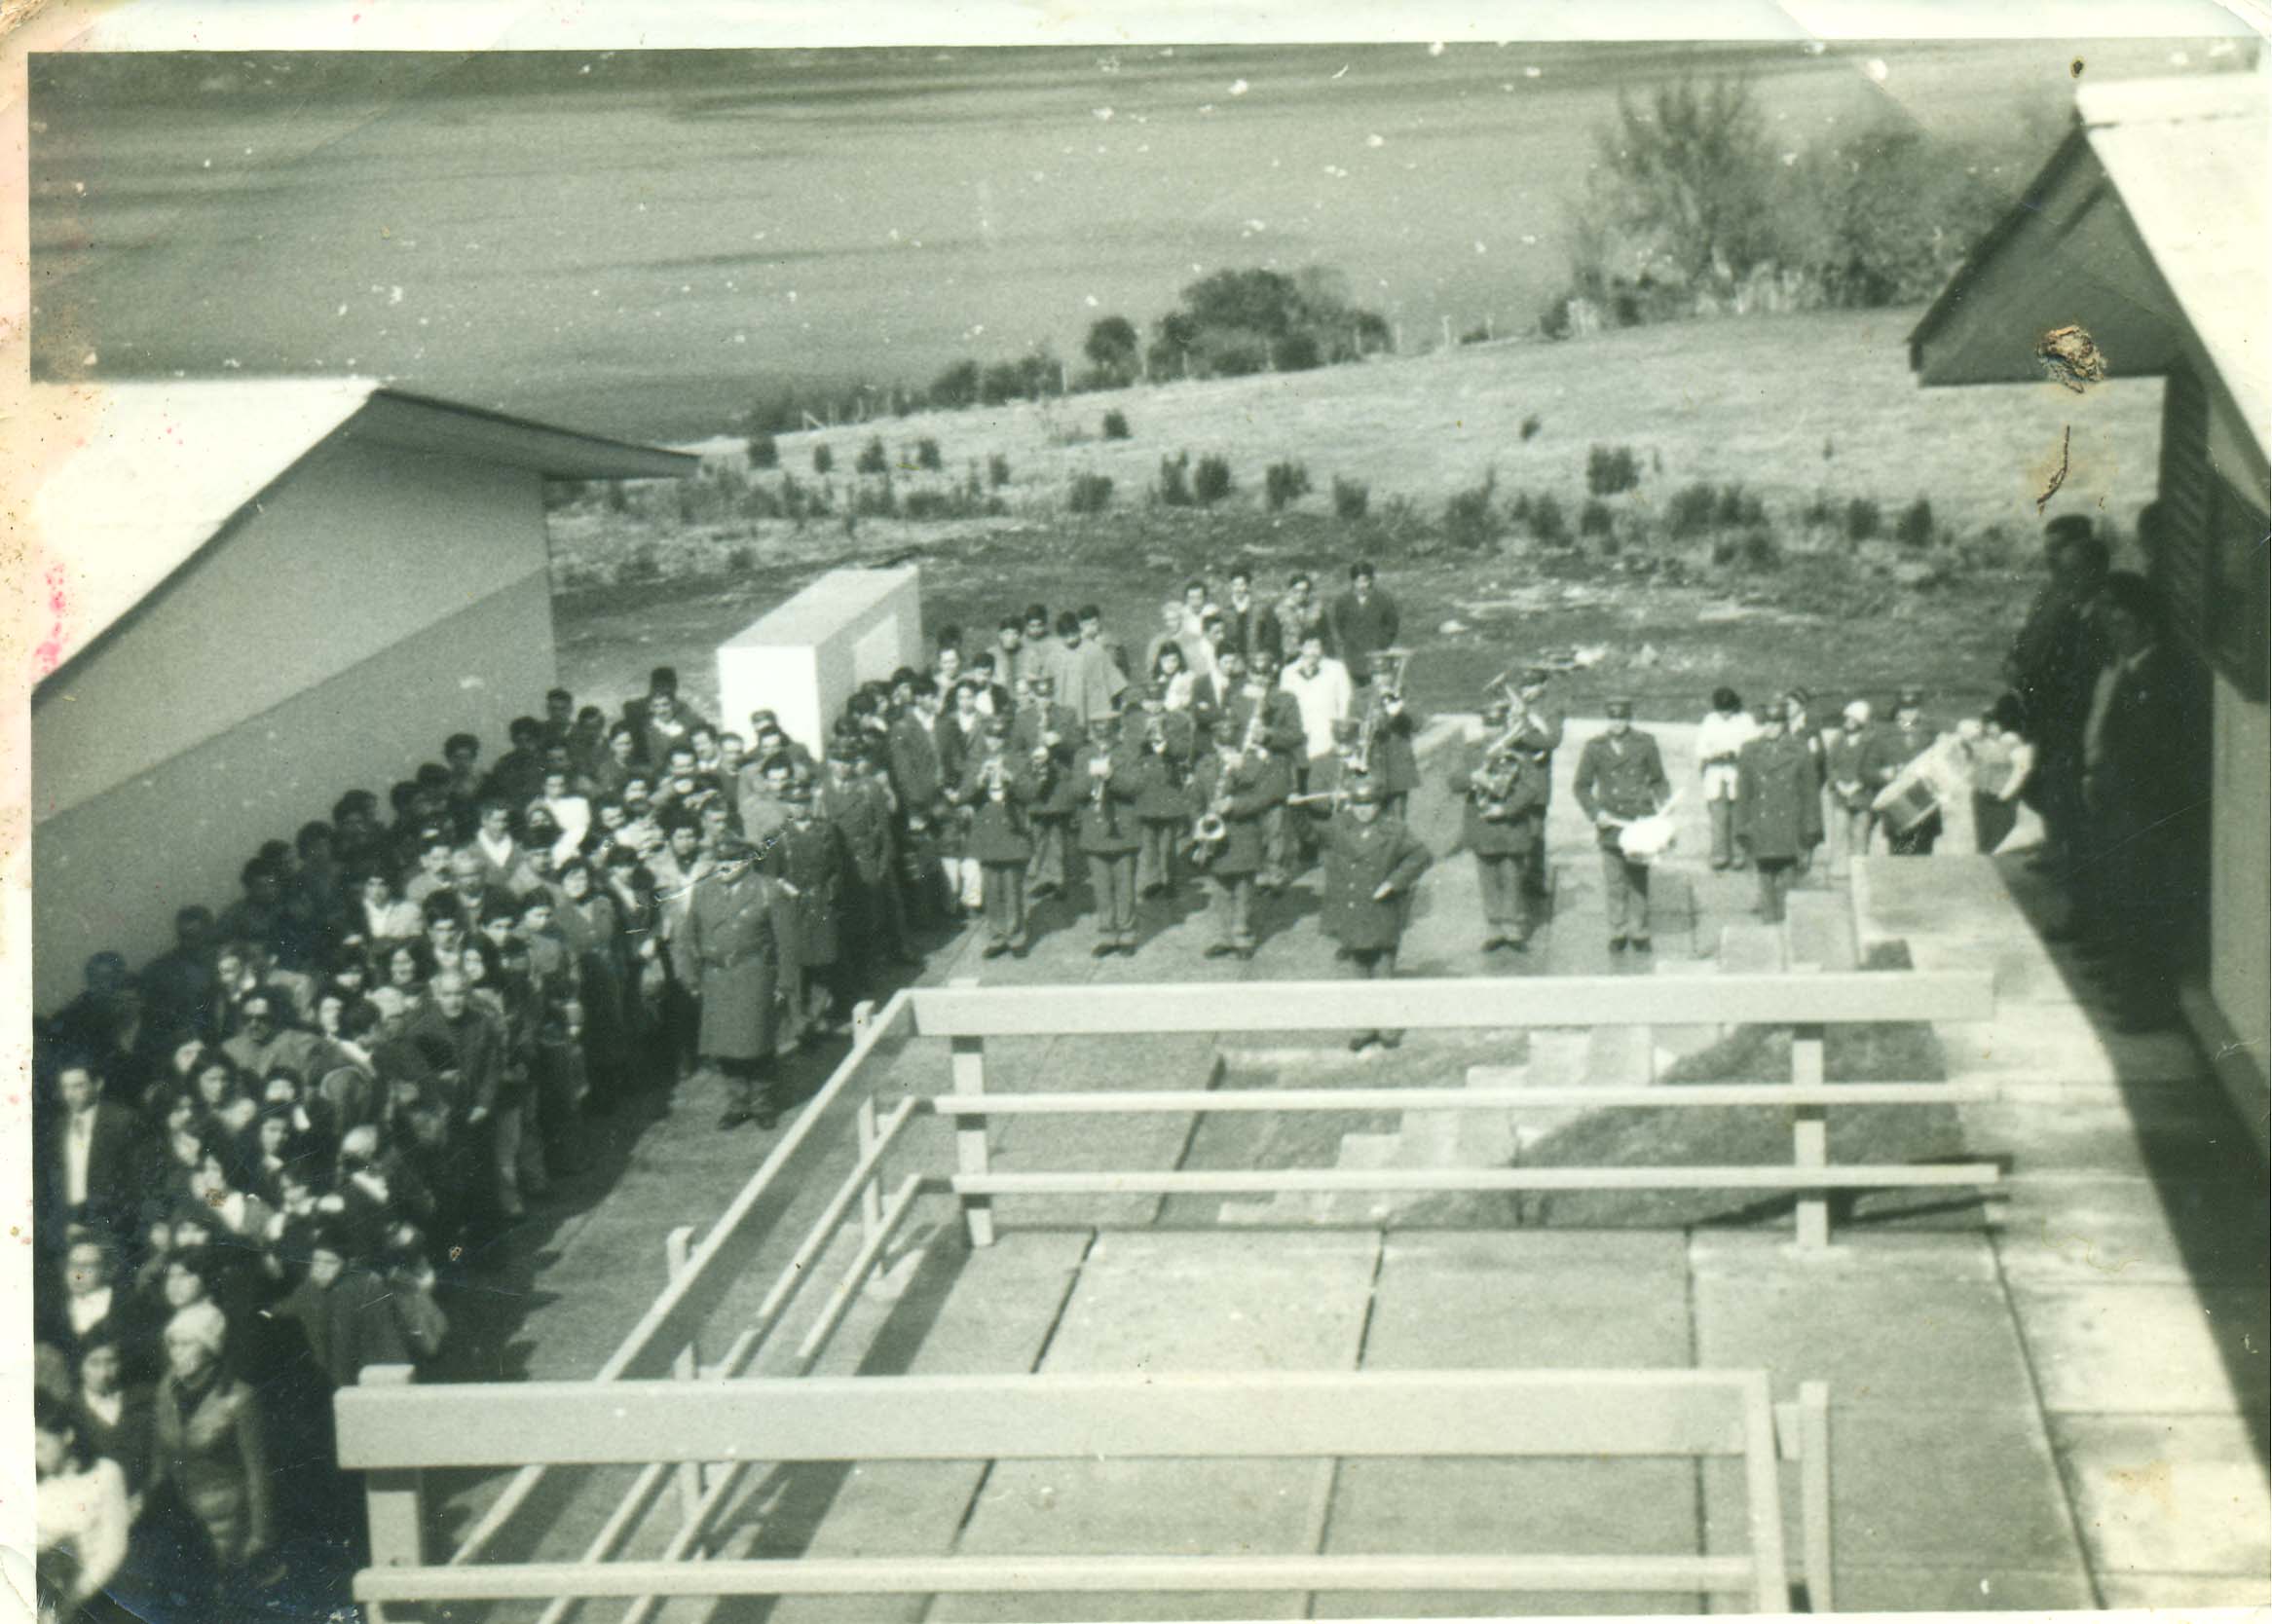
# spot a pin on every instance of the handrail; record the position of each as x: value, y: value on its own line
x: 1824, y: 998
x: 670, y: 1320
x: 1139, y: 1102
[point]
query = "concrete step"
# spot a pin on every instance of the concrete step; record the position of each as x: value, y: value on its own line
x: 1821, y: 929
x: 1753, y: 949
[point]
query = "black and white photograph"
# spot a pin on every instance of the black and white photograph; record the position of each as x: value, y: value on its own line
x: 1078, y: 814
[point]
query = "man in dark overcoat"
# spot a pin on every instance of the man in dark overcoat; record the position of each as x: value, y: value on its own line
x: 1372, y: 862
x: 998, y: 787
x: 1778, y: 806
x: 729, y: 947
x: 1620, y: 778
x: 806, y: 860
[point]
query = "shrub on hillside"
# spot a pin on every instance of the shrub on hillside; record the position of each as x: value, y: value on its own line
x: 1864, y: 521
x: 1738, y: 510
x: 1914, y: 528
x: 1210, y: 481
x: 1595, y: 520
x: 1819, y: 513
x: 823, y: 459
x: 1091, y: 493
x: 1548, y: 522
x: 1759, y: 550
x: 1610, y: 470
x: 997, y: 470
x: 1691, y: 513
x: 873, y: 458
x: 1351, y: 497
x: 1530, y: 430
x: 875, y: 498
x: 1470, y: 518
x: 765, y: 451
x: 1174, y: 487
x: 1116, y: 426
x: 1284, y: 483
x: 927, y: 454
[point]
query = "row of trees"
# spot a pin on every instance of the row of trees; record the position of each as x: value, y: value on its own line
x: 1692, y: 207
x: 1225, y: 325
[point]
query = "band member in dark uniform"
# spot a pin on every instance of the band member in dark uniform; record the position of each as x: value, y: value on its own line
x: 1238, y: 786
x: 1503, y: 820
x: 998, y: 788
x: 1108, y: 830
x: 1547, y: 722
x: 1621, y: 779
x: 1372, y: 862
x: 1042, y: 727
x: 1164, y: 804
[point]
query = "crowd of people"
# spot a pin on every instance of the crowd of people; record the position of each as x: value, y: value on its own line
x: 259, y: 1153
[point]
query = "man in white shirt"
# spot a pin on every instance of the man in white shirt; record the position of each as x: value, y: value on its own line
x: 1322, y: 689
x: 1719, y: 739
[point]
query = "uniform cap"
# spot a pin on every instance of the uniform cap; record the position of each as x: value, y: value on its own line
x: 1042, y: 682
x: 1623, y: 708
x: 1909, y: 698
x: 1367, y: 793
x: 1776, y: 710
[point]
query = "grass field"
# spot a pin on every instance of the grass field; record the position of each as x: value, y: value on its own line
x: 1807, y: 414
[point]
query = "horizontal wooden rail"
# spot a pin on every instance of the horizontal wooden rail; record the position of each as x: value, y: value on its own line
x: 1269, y: 1181
x: 1138, y: 1102
x: 1259, y: 1415
x: 1773, y: 1000
x: 673, y: 1318
x: 964, y: 1574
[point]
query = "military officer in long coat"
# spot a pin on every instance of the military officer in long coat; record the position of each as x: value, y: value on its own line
x: 1503, y: 816
x: 1620, y: 778
x: 729, y: 946
x: 806, y: 860
x: 1372, y: 862
x: 1778, y: 805
x: 1108, y: 832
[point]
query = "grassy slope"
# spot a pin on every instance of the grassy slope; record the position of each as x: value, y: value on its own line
x: 1756, y: 400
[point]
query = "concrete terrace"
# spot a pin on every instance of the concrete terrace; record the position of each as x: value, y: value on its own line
x: 2054, y: 1400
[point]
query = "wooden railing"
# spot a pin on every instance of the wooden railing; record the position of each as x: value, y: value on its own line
x: 394, y: 1432
x: 967, y: 1016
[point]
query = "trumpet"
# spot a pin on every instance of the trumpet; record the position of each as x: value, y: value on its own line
x: 1211, y: 830
x: 1100, y: 774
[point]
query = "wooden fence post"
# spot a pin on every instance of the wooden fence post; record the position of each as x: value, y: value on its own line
x: 871, y: 1202
x: 970, y: 1138
x: 1814, y: 1492
x: 686, y: 1366
x: 394, y: 1501
x: 1811, y: 1138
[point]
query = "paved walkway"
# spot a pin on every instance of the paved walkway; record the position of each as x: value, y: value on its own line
x: 2063, y: 1408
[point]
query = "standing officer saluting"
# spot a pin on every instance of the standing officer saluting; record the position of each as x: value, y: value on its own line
x: 1372, y: 862
x: 1621, y: 779
x: 727, y: 947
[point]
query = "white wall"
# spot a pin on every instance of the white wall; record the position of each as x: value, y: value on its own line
x: 803, y: 659
x: 360, y: 548
x: 381, y: 601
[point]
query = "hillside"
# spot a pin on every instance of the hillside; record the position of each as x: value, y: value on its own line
x: 1807, y: 414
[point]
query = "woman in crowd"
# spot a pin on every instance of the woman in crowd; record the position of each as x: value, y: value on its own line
x: 211, y: 1450
x: 84, y: 1518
